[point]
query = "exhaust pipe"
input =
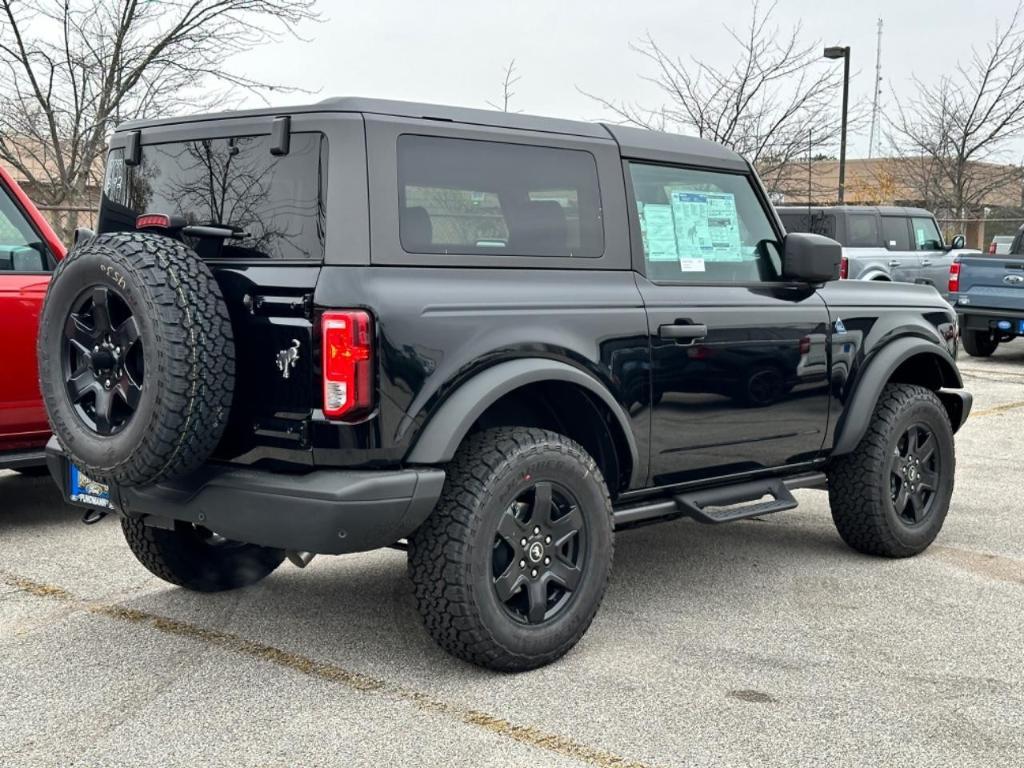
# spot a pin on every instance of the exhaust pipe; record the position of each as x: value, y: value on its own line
x: 299, y: 559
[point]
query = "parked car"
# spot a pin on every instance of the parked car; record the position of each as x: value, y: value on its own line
x: 889, y: 244
x: 988, y: 295
x: 1000, y: 245
x: 441, y: 329
x: 29, y: 251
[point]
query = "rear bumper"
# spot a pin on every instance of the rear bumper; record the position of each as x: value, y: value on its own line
x: 327, y: 511
x: 984, y: 318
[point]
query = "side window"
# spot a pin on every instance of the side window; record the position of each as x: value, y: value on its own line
x: 21, y: 249
x: 926, y: 234
x: 861, y: 231
x: 817, y: 223
x: 470, y: 197
x: 703, y: 226
x: 895, y: 234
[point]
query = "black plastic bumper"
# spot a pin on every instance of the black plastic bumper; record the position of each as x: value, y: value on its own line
x: 327, y: 511
x: 986, y: 319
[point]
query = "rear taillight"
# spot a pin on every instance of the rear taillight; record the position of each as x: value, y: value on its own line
x: 347, y: 343
x: 805, y: 345
x: 954, y: 277
x: 992, y: 248
x: 844, y: 268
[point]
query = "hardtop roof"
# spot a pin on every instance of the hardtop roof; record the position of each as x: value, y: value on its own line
x: 633, y: 142
x: 884, y: 210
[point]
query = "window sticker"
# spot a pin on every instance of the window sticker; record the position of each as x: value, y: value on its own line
x: 706, y: 226
x: 691, y: 265
x: 921, y: 237
x: 658, y: 232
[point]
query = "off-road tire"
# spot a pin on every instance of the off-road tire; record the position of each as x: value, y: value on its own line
x: 449, y: 555
x: 187, y: 348
x: 979, y: 343
x: 186, y: 557
x: 859, y: 483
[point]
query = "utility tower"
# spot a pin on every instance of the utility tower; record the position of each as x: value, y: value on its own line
x: 876, y: 129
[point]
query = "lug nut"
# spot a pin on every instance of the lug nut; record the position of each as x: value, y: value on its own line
x: 547, y: 539
x: 536, y: 531
x: 547, y: 561
x: 522, y: 563
x: 523, y: 542
x: 533, y: 572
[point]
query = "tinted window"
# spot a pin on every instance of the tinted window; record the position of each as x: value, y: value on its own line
x: 274, y: 203
x: 861, y: 231
x: 21, y: 249
x: 815, y: 222
x: 702, y: 226
x: 486, y: 197
x: 926, y: 234
x: 895, y: 233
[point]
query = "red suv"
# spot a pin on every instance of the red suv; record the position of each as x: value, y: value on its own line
x: 29, y: 250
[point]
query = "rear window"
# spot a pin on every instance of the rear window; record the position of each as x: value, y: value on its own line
x: 460, y: 196
x: 274, y: 203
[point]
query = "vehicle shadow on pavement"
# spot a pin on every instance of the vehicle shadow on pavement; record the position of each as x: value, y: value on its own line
x: 359, y: 609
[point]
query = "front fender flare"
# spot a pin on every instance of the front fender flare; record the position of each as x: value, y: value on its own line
x: 853, y: 424
x: 441, y: 436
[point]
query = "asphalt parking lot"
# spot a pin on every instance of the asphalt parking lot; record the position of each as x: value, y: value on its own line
x: 766, y: 642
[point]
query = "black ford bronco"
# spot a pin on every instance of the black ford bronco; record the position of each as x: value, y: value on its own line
x: 493, y: 340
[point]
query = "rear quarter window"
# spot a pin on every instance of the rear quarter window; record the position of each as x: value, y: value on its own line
x: 274, y: 203
x: 463, y: 196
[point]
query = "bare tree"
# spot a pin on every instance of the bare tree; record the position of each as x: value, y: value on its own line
x: 957, y: 133
x: 774, y: 105
x: 511, y: 78
x: 70, y: 71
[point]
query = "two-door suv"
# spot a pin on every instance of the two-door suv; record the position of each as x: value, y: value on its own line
x: 490, y: 339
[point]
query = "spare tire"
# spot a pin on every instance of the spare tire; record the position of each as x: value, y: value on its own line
x: 136, y: 358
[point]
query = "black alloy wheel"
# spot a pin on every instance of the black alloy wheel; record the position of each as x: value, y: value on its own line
x: 914, y: 474
x: 540, y: 552
x: 103, y: 360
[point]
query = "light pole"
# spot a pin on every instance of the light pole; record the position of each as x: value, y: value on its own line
x: 842, y: 52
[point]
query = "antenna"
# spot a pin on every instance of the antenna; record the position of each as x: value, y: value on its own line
x: 875, y: 130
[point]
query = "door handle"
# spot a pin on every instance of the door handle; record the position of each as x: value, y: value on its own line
x: 926, y: 262
x: 683, y: 331
x: 894, y: 263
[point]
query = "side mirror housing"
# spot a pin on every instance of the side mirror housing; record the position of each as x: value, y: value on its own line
x: 809, y: 258
x: 959, y: 241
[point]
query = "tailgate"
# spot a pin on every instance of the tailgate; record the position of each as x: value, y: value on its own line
x: 274, y: 346
x: 992, y: 282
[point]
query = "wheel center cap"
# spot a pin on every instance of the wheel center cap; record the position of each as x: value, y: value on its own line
x: 535, y: 552
x: 103, y: 360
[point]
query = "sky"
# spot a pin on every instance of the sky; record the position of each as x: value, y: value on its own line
x: 455, y: 51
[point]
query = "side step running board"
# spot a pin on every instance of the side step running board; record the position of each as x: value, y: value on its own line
x: 732, y: 502
x: 723, y: 504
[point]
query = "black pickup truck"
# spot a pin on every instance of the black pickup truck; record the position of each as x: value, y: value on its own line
x: 493, y: 340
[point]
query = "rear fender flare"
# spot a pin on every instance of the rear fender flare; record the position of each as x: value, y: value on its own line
x: 878, y: 371
x: 441, y: 436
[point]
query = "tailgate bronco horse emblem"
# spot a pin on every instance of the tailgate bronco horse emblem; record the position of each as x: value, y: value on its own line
x: 287, y: 358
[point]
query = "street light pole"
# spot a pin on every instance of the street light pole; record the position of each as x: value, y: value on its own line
x: 842, y: 52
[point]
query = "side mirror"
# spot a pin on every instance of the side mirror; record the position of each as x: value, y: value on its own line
x: 809, y: 258
x: 959, y: 241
